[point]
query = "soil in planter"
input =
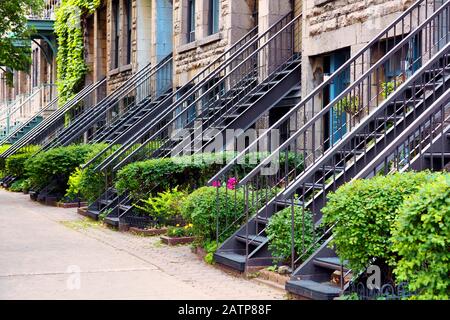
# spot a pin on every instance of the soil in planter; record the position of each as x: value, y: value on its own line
x: 173, y: 241
x: 148, y: 232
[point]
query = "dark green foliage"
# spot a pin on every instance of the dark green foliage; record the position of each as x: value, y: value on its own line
x: 17, y: 186
x: 279, y: 233
x: 15, y: 164
x: 13, y: 28
x: 421, y: 238
x: 203, y: 206
x: 146, y: 178
x: 364, y: 211
x: 56, y: 165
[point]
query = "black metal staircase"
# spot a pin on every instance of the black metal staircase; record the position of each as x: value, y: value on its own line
x: 227, y: 99
x: 373, y: 119
x: 51, y: 125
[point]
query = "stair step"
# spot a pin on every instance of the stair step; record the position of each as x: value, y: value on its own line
x: 437, y: 154
x: 313, y: 290
x: 332, y: 263
x: 105, y: 201
x: 252, y: 239
x: 318, y: 186
x: 124, y: 207
x: 262, y: 220
x: 230, y: 259
x: 113, y: 221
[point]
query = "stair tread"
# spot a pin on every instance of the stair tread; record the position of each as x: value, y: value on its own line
x: 252, y: 237
x: 231, y: 256
x: 330, y: 262
x: 319, y: 287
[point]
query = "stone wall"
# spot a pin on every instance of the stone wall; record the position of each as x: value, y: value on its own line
x: 116, y: 76
x: 190, y: 58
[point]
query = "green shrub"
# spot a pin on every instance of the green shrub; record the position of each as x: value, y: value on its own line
x: 202, y: 207
x: 421, y: 238
x: 15, y: 164
x: 210, y: 248
x: 86, y: 183
x: 364, y: 211
x: 146, y: 178
x: 17, y: 186
x: 279, y: 233
x: 165, y: 206
x: 56, y: 165
x: 177, y: 231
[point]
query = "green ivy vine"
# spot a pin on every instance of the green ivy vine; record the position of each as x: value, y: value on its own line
x: 71, y: 66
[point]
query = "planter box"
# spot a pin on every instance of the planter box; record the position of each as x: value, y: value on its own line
x: 82, y: 211
x: 70, y: 204
x: 173, y: 241
x: 148, y: 232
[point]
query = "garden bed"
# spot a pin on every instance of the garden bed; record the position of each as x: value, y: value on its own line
x: 148, y: 232
x: 67, y: 205
x: 173, y: 241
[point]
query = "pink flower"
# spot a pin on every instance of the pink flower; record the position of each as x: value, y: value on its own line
x: 231, y: 183
x: 216, y: 184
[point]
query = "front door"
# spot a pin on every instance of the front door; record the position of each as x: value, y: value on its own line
x: 338, y: 126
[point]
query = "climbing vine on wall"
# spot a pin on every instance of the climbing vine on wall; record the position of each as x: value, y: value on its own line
x: 71, y: 66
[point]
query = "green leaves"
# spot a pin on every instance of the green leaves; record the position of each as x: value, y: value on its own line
x: 364, y: 211
x: 71, y: 66
x: 421, y: 238
x: 279, y: 233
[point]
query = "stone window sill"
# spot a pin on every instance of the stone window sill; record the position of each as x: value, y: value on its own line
x: 120, y: 69
x: 199, y: 43
x: 319, y: 3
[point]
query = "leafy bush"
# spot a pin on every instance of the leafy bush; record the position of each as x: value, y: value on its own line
x: 203, y: 205
x: 165, y: 206
x: 86, y: 183
x: 279, y: 232
x: 364, y: 211
x: 210, y: 248
x: 421, y: 238
x: 146, y: 178
x: 15, y: 164
x: 17, y: 186
x: 56, y: 165
x: 177, y: 231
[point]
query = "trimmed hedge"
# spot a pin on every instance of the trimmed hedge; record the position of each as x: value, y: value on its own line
x: 364, y: 211
x: 421, y: 238
x: 146, y: 178
x: 15, y: 164
x: 57, y: 164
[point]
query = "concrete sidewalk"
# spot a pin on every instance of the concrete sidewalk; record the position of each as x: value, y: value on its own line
x: 53, y: 253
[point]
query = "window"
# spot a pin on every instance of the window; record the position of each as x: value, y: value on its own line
x: 115, y: 34
x: 213, y: 17
x: 191, y: 21
x: 129, y: 22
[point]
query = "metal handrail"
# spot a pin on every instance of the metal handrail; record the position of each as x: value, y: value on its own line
x: 81, y: 123
x: 52, y: 103
x: 343, y: 94
x: 444, y: 99
x: 107, y: 162
x: 391, y: 28
x: 184, y: 95
x: 126, y: 146
x: 52, y: 118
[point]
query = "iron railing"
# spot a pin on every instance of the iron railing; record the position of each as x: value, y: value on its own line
x: 227, y: 85
x: 48, y: 129
x: 422, y: 23
x: 178, y: 97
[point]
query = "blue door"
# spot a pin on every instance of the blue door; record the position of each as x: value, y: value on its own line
x: 338, y: 126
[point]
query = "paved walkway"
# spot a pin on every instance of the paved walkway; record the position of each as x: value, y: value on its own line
x: 53, y: 253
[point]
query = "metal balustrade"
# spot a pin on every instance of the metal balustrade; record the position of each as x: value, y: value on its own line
x: 303, y: 185
x: 48, y: 129
x: 178, y: 97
